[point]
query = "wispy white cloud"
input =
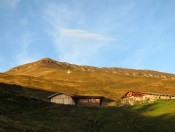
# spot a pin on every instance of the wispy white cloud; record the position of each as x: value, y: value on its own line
x: 84, y: 34
x: 8, y: 4
x: 75, y: 50
x: 76, y: 45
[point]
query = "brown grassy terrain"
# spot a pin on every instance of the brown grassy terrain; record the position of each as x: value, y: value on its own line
x: 26, y: 108
x: 50, y: 75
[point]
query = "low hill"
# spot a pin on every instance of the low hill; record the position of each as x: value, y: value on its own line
x: 50, y: 75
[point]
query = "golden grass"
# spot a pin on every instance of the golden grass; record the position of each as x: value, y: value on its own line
x: 90, y: 83
x: 53, y: 76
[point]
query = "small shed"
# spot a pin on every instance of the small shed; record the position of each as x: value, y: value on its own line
x: 78, y: 100
x: 62, y: 98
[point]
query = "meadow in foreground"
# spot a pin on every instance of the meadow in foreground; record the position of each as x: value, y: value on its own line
x: 24, y: 112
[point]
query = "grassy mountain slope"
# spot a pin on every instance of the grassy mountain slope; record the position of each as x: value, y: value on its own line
x: 24, y: 109
x: 43, y: 65
x: 51, y: 75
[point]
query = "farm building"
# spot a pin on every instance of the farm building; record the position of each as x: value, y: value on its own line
x: 132, y: 98
x: 62, y: 98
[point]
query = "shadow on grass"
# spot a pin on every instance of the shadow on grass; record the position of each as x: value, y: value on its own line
x: 20, y: 112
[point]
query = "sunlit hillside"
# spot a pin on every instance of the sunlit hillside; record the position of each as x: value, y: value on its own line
x: 54, y: 76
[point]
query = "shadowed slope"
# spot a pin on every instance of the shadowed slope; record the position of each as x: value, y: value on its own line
x: 24, y: 109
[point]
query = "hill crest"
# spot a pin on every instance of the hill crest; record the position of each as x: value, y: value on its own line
x: 46, y: 64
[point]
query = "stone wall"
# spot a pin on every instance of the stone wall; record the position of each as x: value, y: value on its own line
x: 138, y: 100
x: 133, y: 100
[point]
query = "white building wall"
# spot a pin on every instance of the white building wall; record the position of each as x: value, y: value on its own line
x: 62, y: 99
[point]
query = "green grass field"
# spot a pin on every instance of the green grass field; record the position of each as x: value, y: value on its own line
x: 23, y: 109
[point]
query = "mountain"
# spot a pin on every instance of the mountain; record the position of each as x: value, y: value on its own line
x: 41, y: 65
x: 51, y: 75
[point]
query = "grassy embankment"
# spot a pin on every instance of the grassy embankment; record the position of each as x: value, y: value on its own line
x: 24, y: 109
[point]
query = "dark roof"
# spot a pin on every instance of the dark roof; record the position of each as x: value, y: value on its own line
x: 78, y: 96
x: 159, y: 94
x: 58, y: 94
x: 88, y: 97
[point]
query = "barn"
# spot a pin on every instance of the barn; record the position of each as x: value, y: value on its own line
x: 62, y: 98
x: 133, y: 97
x: 78, y: 100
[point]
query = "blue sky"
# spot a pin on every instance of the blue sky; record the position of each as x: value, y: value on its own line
x: 137, y: 34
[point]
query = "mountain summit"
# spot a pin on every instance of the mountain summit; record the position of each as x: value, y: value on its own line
x: 47, y: 65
